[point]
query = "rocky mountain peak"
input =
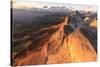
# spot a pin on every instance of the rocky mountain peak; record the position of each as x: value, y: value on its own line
x: 56, y: 44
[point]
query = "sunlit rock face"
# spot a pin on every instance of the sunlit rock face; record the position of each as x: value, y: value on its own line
x: 94, y: 23
x: 80, y: 48
x: 76, y: 48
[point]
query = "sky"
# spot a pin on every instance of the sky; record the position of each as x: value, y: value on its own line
x: 68, y: 3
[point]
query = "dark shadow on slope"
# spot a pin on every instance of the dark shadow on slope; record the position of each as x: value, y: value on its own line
x: 90, y: 36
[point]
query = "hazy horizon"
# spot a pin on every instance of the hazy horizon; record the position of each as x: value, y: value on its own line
x: 34, y: 3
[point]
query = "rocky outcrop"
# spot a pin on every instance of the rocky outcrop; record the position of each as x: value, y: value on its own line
x: 80, y: 47
x: 93, y: 23
x: 48, y: 42
x: 59, y: 43
x: 76, y: 48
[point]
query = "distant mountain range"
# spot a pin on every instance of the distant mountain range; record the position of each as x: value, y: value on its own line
x: 41, y: 5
